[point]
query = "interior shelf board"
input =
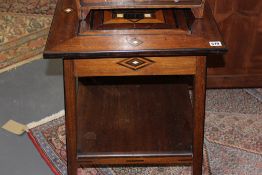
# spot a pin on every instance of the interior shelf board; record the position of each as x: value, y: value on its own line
x: 129, y: 120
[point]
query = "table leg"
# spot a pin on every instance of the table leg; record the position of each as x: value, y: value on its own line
x: 70, y: 116
x: 199, y: 114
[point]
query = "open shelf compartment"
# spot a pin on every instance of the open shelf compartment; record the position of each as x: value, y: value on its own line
x: 143, y: 118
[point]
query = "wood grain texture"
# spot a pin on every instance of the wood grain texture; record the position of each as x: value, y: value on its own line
x: 199, y: 12
x: 133, y: 118
x: 235, y: 81
x: 70, y: 116
x: 130, y: 104
x: 109, y: 17
x: 177, y: 160
x: 170, y: 21
x: 240, y: 23
x: 117, y: 44
x: 134, y: 3
x: 63, y: 30
x: 199, y: 114
x: 157, y: 66
x: 87, y: 5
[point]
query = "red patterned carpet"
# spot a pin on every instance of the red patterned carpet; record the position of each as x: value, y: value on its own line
x: 233, y: 141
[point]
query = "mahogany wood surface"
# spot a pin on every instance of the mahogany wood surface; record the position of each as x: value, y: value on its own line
x: 199, y: 12
x: 240, y: 22
x: 126, y: 99
x: 64, y: 25
x: 70, y: 119
x: 84, y: 6
x: 155, y: 66
x: 110, y: 16
x: 135, y: 3
x: 134, y: 117
x: 199, y: 99
x: 101, y: 22
x: 63, y: 41
x: 141, y: 161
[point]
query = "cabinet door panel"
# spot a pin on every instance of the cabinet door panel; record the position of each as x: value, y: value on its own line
x: 240, y: 22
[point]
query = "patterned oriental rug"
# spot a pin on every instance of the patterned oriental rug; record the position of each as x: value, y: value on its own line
x: 233, y: 146
x: 24, y: 26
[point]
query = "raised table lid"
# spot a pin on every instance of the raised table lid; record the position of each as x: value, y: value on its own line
x: 124, y: 4
x: 136, y: 3
x: 84, y: 6
x: 67, y: 39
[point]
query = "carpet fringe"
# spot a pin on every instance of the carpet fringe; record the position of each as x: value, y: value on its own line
x: 255, y: 93
x: 14, y: 66
x: 233, y: 113
x: 24, y: 14
x: 232, y: 146
x: 45, y: 120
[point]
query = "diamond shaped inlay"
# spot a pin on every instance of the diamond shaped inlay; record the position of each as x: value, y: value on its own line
x: 134, y: 41
x: 68, y: 10
x: 136, y: 63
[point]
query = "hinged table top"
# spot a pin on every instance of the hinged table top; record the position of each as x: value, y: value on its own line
x: 67, y: 39
x: 137, y: 3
